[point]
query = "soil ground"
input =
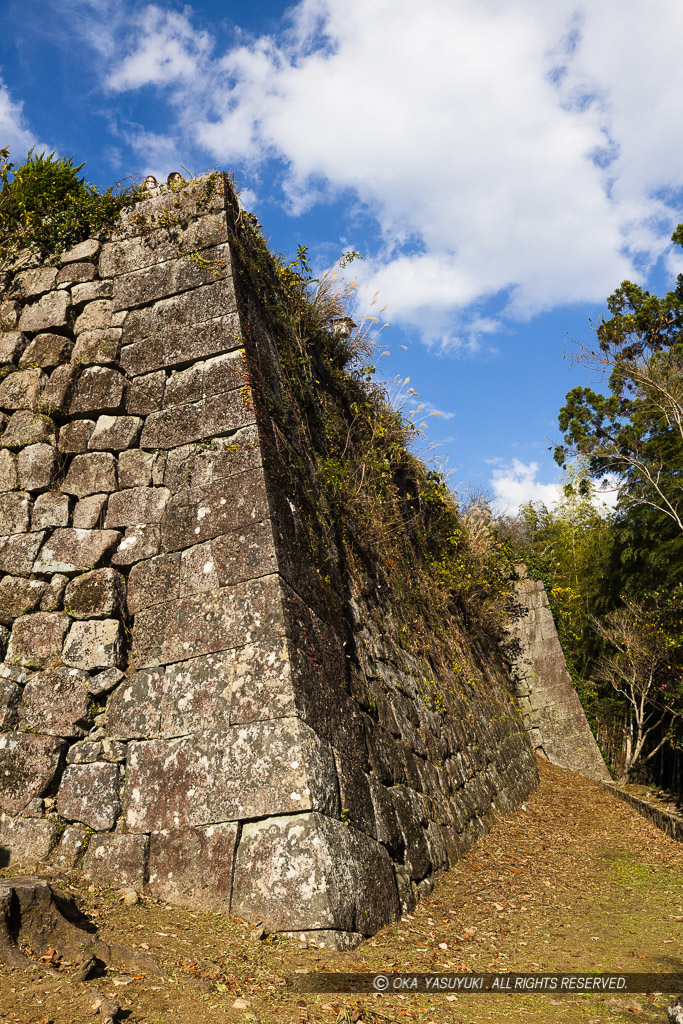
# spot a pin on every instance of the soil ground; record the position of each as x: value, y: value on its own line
x: 577, y: 881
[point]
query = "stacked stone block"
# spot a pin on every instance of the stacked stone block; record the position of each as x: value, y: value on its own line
x: 177, y: 709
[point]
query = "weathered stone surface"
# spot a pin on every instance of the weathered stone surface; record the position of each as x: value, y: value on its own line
x: 145, y: 394
x: 98, y: 389
x: 411, y: 817
x: 15, y: 512
x: 172, y: 277
x: 104, y: 682
x: 50, y: 509
x: 138, y: 542
x: 51, y: 600
x: 89, y: 512
x: 197, y: 694
x: 347, y: 877
x: 234, y: 558
x: 89, y: 793
x: 9, y: 314
x: 27, y: 427
x: 75, y: 550
x: 197, y: 197
x: 75, y: 273
x: 10, y: 696
x: 160, y: 244
x: 20, y: 390
x: 135, y: 468
x: 11, y: 345
x: 18, y: 553
x: 134, y: 709
x: 49, y: 311
x: 137, y: 505
x: 261, y: 682
x: 37, y: 466
x: 27, y: 840
x: 115, y: 433
x: 97, y: 347
x: 91, y: 474
x: 95, y: 316
x: 116, y: 859
x: 175, y: 345
x: 192, y: 867
x: 215, y: 510
x: 37, y: 639
x: 83, y: 251
x: 181, y: 311
x: 74, y: 436
x: 154, y: 580
x: 18, y: 596
x: 91, y: 290
x: 185, y: 386
x: 215, y: 621
x: 34, y: 282
x: 8, y: 470
x: 56, y: 394
x: 56, y: 703
x: 28, y: 765
x: 100, y: 593
x: 70, y: 848
x: 219, y: 415
x: 94, y: 644
x: 224, y: 775
x: 46, y: 351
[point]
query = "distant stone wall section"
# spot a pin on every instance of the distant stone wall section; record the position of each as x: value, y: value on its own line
x: 553, y: 715
x: 182, y: 709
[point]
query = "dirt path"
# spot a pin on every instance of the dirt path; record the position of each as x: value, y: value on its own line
x: 576, y: 882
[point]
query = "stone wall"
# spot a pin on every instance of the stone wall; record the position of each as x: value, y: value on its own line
x: 188, y: 704
x: 553, y: 715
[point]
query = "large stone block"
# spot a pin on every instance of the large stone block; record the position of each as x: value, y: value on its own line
x: 18, y: 596
x: 89, y: 793
x: 55, y: 396
x: 27, y: 427
x: 96, y: 315
x: 97, y: 347
x: 158, y: 281
x: 135, y: 468
x: 37, y: 467
x: 28, y: 765
x: 145, y: 394
x: 197, y: 694
x: 10, y: 697
x: 137, y: 505
x: 206, y: 419
x: 217, y: 509
x: 193, y: 467
x: 260, y: 677
x: 117, y: 859
x: 307, y: 871
x: 225, y: 775
x: 234, y: 558
x: 215, y: 621
x: 50, y: 509
x: 180, y: 311
x: 175, y: 345
x: 92, y: 473
x: 94, y: 644
x: 192, y: 867
x: 56, y: 703
x: 76, y: 550
x: 172, y: 209
x: 48, y: 312
x: 46, y: 351
x: 15, y: 512
x: 69, y: 850
x: 152, y: 581
x: 160, y: 244
x: 36, y: 281
x: 20, y: 390
x: 91, y: 290
x: 115, y: 433
x: 37, y: 639
x: 97, y: 594
x: 74, y: 436
x: 18, y: 553
x: 89, y: 512
x: 86, y: 250
x: 75, y: 273
x: 26, y: 840
x: 11, y: 345
x: 98, y: 389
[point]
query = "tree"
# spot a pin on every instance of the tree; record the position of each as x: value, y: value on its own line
x: 636, y: 432
x: 642, y: 665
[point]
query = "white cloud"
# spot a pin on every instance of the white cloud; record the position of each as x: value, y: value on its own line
x: 14, y: 129
x: 516, y: 484
x: 521, y: 150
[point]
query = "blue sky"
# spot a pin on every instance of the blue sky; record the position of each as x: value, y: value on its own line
x: 502, y: 165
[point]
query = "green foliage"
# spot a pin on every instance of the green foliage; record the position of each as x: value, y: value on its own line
x: 47, y: 207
